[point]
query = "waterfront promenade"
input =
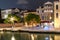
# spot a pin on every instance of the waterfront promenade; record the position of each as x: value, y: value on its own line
x: 20, y: 26
x: 32, y: 29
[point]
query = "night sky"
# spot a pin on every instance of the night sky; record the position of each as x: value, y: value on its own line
x: 22, y: 4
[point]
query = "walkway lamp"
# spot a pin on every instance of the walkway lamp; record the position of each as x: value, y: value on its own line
x: 12, y: 21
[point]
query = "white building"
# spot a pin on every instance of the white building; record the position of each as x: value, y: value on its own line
x: 46, y: 12
x: 4, y: 13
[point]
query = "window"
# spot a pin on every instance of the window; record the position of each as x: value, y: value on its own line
x: 45, y: 18
x: 56, y: 15
x: 42, y: 11
x: 42, y: 17
x: 57, y: 7
x: 37, y: 11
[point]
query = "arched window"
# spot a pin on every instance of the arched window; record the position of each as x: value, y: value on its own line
x: 42, y: 17
x: 56, y: 7
x: 56, y: 15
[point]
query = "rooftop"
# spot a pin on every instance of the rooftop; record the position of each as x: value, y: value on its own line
x: 48, y: 2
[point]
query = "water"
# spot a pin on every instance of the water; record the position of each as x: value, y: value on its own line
x: 28, y: 36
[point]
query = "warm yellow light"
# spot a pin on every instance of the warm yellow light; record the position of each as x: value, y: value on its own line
x: 57, y: 37
x: 12, y: 18
x: 5, y: 16
x: 32, y: 36
x: 12, y: 38
x: 34, y: 24
x: 50, y: 18
x: 30, y: 25
x: 51, y: 38
x: 45, y: 23
x: 35, y: 35
x: 26, y: 24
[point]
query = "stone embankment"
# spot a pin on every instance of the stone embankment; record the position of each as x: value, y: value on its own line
x: 2, y: 25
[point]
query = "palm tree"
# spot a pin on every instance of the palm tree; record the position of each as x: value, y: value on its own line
x: 32, y: 19
x: 12, y: 19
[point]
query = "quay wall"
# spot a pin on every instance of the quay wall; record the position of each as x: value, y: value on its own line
x: 2, y: 25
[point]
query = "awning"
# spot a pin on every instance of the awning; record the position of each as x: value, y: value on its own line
x: 45, y: 21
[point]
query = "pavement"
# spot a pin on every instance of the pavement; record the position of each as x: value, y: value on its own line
x: 37, y: 29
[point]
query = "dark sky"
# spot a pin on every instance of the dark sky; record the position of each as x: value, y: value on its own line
x: 23, y: 4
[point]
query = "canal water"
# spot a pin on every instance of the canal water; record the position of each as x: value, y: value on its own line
x: 28, y: 36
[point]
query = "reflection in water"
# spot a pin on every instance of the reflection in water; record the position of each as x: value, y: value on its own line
x: 46, y: 38
x: 12, y: 38
x: 57, y: 37
x: 32, y: 37
x: 28, y: 36
x: 51, y: 38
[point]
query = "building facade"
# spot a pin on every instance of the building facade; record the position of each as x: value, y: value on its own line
x: 46, y: 12
x: 57, y: 14
x: 5, y: 12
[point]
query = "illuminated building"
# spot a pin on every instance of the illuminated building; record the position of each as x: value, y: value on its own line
x: 57, y: 14
x: 5, y: 12
x: 46, y: 12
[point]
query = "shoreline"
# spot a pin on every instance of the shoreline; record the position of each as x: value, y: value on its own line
x: 31, y: 30
x: 38, y: 32
x: 22, y: 29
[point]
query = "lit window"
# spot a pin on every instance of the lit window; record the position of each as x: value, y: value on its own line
x: 45, y: 10
x: 5, y: 16
x: 51, y: 11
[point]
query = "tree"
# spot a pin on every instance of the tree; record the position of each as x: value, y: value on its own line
x: 12, y: 19
x: 32, y: 19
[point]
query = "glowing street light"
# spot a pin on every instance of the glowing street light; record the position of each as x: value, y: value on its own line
x: 12, y: 20
x: 52, y: 23
x: 50, y: 18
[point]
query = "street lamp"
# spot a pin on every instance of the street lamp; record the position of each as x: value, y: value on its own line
x: 12, y: 20
x: 50, y: 18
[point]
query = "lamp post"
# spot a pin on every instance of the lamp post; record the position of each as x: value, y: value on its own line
x: 12, y: 21
x: 50, y: 19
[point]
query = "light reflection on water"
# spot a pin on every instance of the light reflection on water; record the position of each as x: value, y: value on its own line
x: 28, y: 36
x: 12, y: 38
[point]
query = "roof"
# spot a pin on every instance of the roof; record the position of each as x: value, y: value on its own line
x: 12, y: 9
x: 45, y: 21
x: 48, y: 2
